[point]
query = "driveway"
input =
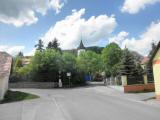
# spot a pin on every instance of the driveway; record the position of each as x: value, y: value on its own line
x: 92, y: 103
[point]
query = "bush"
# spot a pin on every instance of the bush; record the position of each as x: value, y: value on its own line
x: 45, y: 67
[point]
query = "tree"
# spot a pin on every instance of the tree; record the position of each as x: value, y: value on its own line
x: 127, y: 63
x: 54, y: 45
x: 131, y: 68
x: 20, y: 54
x: 39, y: 46
x: 111, y: 56
x: 95, y: 49
x: 89, y: 62
x: 69, y: 62
x: 45, y: 65
x: 49, y: 45
x: 17, y: 64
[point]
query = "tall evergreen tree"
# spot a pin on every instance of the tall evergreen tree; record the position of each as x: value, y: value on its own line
x: 127, y: 63
x: 49, y: 45
x: 131, y: 69
x: 39, y: 46
x: 20, y: 54
x: 54, y: 45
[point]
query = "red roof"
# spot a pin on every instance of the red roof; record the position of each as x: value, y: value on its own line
x: 145, y: 60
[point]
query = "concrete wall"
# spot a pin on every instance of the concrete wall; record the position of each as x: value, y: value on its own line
x: 156, y: 72
x: 5, y: 68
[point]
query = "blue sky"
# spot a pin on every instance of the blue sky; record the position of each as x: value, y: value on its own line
x: 122, y: 21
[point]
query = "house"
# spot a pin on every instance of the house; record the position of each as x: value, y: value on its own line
x: 26, y: 60
x: 144, y: 62
x: 155, y: 62
x: 5, y: 68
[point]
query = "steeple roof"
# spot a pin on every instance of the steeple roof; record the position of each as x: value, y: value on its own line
x: 81, y: 46
x: 154, y: 53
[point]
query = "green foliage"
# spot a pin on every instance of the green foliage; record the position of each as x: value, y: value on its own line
x: 18, y: 63
x: 131, y: 68
x: 127, y: 63
x: 24, y: 70
x: 69, y: 62
x: 46, y: 63
x: 45, y: 66
x: 111, y: 56
x: 95, y: 49
x: 89, y: 62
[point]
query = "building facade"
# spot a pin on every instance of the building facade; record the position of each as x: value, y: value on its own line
x: 155, y: 61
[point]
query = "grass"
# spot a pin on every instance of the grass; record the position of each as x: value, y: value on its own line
x: 14, y: 96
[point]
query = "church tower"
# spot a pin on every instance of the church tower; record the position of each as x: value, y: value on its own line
x: 80, y: 48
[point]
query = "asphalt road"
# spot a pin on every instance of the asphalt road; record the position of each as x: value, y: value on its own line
x: 79, y: 104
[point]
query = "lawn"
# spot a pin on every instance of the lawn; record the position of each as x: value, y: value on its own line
x: 14, y: 96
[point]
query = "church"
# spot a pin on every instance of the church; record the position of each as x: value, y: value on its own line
x: 80, y: 48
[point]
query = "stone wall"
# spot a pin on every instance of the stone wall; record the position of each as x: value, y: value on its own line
x: 5, y: 68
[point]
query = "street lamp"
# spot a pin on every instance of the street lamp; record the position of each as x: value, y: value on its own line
x: 60, y: 80
x: 69, y: 76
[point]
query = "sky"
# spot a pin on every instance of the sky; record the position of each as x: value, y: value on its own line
x: 135, y: 24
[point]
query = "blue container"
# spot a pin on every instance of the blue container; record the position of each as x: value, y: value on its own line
x: 88, y: 77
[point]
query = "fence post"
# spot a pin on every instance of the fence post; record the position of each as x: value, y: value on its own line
x: 145, y: 79
x: 124, y: 80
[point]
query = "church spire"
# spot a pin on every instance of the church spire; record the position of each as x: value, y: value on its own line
x: 81, y: 46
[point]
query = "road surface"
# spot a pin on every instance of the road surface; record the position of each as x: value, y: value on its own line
x: 79, y: 104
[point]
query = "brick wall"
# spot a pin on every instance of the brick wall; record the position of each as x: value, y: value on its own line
x: 139, y: 88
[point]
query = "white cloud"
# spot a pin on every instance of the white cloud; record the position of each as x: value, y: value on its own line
x: 69, y: 30
x: 12, y: 50
x: 119, y: 39
x: 23, y: 12
x: 143, y: 43
x: 134, y: 6
x: 30, y: 53
x: 57, y: 5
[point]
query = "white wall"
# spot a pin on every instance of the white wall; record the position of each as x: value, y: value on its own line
x: 3, y: 86
x: 5, y: 68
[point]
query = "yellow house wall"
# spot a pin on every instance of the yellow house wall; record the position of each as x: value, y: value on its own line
x: 156, y: 71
